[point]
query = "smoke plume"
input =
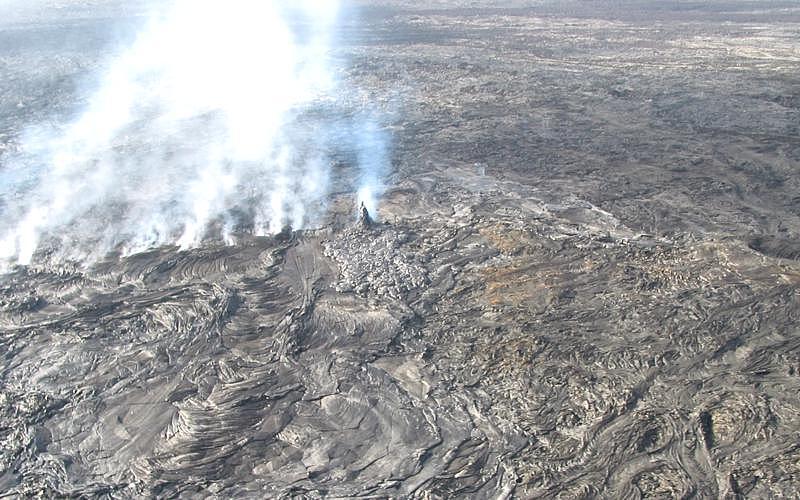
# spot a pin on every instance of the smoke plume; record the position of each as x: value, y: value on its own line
x: 214, y: 122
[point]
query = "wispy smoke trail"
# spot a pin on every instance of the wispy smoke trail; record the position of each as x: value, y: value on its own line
x: 205, y: 125
x: 373, y: 158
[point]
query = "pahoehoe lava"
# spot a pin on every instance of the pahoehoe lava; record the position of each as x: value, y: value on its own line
x: 583, y: 282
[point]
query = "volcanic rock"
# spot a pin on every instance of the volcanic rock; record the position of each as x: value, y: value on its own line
x: 606, y: 308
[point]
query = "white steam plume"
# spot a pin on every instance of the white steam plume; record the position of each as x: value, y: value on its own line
x: 373, y: 161
x: 204, y: 125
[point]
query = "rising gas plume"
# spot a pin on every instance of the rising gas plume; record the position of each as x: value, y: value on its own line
x: 210, y: 124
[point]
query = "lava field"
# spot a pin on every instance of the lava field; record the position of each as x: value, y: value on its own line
x: 582, y: 279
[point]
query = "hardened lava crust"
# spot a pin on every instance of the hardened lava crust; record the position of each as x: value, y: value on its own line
x: 583, y: 280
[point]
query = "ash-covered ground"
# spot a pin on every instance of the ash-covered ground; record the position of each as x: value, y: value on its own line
x: 583, y: 283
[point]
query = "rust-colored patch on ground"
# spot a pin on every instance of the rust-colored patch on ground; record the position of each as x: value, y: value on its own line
x: 518, y: 284
x: 508, y: 241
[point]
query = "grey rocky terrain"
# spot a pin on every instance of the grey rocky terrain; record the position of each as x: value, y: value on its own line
x: 583, y: 280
